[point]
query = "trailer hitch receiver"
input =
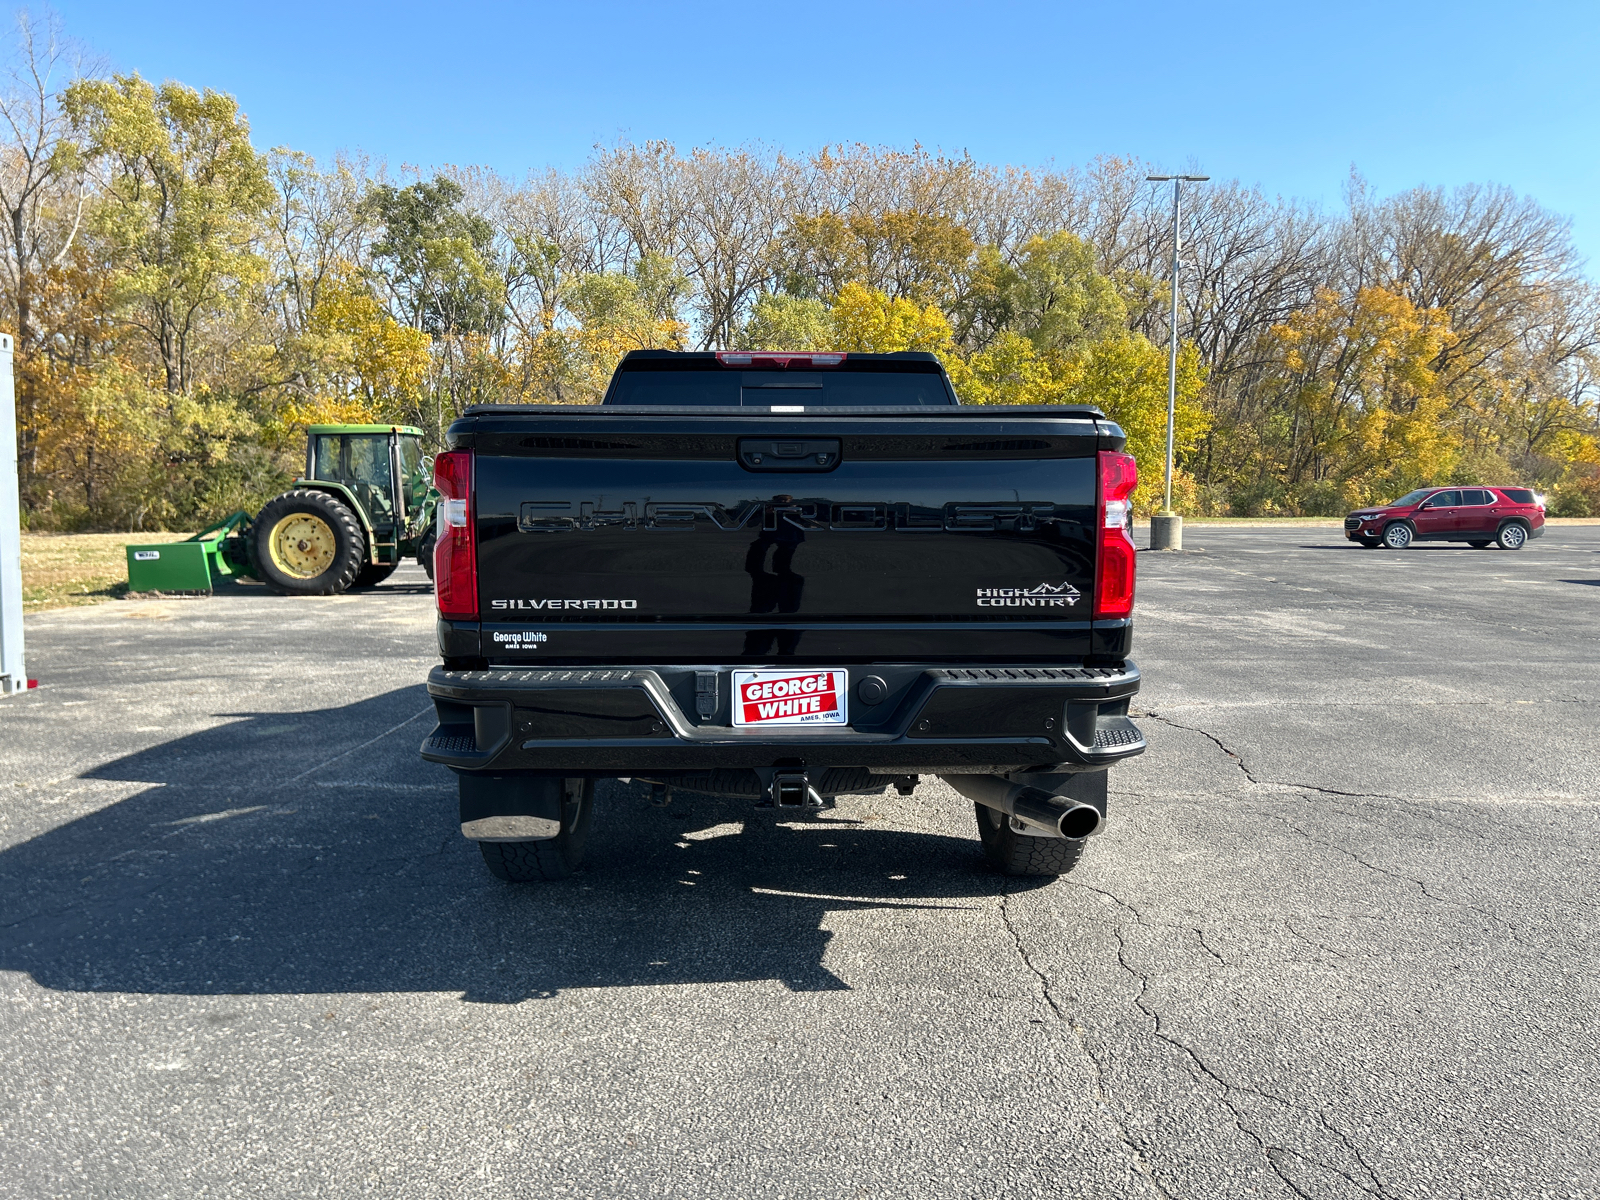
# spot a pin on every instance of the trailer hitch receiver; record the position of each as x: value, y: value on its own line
x: 792, y: 789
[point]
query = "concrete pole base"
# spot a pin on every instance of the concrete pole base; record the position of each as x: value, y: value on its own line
x: 1166, y: 532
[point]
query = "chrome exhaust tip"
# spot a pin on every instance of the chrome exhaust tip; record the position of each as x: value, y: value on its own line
x: 1052, y: 814
x: 1035, y: 806
x: 1080, y: 821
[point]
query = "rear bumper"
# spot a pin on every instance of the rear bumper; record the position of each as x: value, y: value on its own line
x: 609, y: 721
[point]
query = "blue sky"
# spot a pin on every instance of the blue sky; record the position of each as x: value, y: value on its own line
x: 1287, y: 95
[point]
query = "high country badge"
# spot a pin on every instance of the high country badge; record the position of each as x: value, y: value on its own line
x: 1044, y: 595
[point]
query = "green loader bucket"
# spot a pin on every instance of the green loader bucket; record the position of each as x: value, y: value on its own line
x: 170, y: 567
x: 192, y: 565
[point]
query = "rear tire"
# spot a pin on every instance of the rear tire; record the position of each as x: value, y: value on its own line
x: 1397, y: 536
x: 425, y: 552
x: 1512, y: 536
x: 373, y: 574
x: 306, y: 543
x: 548, y: 859
x: 1018, y: 854
x: 1479, y: 545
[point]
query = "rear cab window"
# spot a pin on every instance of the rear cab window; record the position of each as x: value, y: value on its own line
x: 1518, y: 495
x: 413, y: 481
x: 751, y: 381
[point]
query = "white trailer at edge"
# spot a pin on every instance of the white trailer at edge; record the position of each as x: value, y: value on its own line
x: 13, y: 675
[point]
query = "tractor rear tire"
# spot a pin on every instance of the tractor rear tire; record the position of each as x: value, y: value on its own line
x: 372, y: 574
x: 425, y: 552
x: 306, y: 543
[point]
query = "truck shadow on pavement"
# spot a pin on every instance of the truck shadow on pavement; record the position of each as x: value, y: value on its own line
x: 316, y: 853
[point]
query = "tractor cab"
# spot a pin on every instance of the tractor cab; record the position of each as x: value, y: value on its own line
x: 365, y: 503
x: 378, y: 469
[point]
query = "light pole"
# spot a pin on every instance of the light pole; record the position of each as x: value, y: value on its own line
x: 1166, y: 527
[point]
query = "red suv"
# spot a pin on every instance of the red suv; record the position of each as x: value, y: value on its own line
x: 1506, y: 516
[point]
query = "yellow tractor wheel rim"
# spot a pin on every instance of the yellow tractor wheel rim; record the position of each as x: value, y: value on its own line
x: 302, y: 545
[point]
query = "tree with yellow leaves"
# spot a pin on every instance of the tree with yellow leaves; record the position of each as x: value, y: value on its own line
x: 1120, y: 372
x: 181, y: 198
x: 782, y: 322
x: 905, y: 254
x: 1123, y: 374
x: 614, y: 312
x: 868, y: 321
x: 1363, y: 412
x: 1126, y: 376
x: 1010, y: 370
x: 373, y: 368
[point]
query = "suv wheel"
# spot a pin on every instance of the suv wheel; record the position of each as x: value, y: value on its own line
x: 1370, y: 543
x: 1018, y: 854
x: 1479, y: 545
x: 1512, y: 536
x: 1397, y: 536
x: 549, y: 858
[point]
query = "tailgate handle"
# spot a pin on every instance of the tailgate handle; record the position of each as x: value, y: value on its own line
x: 789, y: 454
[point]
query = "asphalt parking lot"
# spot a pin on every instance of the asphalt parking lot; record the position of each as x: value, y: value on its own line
x: 1338, y: 940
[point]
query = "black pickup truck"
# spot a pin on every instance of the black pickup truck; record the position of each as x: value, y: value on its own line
x: 786, y: 577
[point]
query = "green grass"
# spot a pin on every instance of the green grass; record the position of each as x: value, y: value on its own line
x: 64, y: 569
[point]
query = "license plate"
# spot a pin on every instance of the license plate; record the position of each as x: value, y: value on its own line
x: 767, y: 698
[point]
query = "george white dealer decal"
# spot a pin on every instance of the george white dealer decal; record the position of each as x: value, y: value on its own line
x: 512, y: 605
x: 519, y: 639
x: 1044, y: 595
x: 763, y: 698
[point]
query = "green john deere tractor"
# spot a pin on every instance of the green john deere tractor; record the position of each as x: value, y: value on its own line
x: 365, y: 502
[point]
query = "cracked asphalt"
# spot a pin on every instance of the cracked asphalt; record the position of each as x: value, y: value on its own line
x: 1338, y: 940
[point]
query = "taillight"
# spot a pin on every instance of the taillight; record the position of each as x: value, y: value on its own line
x: 1119, y: 475
x: 455, y: 553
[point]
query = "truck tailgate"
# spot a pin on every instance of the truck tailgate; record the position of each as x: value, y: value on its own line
x: 621, y: 535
